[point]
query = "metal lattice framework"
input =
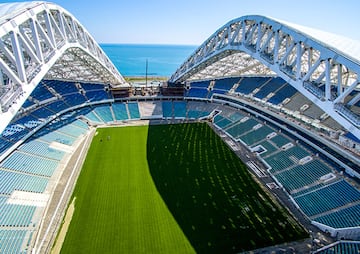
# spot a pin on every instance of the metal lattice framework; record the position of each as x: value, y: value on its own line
x: 42, y: 40
x: 323, y: 67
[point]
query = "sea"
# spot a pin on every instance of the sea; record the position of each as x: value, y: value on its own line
x: 161, y: 60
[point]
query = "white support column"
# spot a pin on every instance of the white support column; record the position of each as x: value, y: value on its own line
x: 285, y: 56
x: 310, y: 59
x: 251, y: 34
x: 44, y: 36
x: 276, y: 46
x: 18, y: 56
x: 29, y: 48
x: 259, y: 36
x: 266, y: 43
x: 9, y: 55
x: 289, y: 47
x: 298, y: 60
x: 311, y: 70
x: 346, y: 92
x: 327, y: 80
x: 243, y: 32
x: 62, y: 25
x: 6, y: 69
x: 49, y: 28
x: 56, y: 29
x: 354, y: 100
x: 236, y: 33
x: 221, y: 39
x: 321, y: 77
x: 228, y: 35
x: 1, y: 81
x: 35, y: 35
x: 339, y: 80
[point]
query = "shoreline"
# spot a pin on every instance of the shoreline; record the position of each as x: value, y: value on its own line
x: 143, y: 78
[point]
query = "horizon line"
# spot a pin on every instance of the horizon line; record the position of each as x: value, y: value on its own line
x: 148, y: 43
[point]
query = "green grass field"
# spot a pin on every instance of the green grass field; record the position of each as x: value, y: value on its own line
x: 117, y: 208
x: 171, y: 189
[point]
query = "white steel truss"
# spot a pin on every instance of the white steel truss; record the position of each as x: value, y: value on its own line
x: 42, y: 40
x: 257, y: 45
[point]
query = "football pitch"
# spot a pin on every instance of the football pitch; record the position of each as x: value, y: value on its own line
x: 171, y: 189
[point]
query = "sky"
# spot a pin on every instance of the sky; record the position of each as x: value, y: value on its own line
x: 191, y: 22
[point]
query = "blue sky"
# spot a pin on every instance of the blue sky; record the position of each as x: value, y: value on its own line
x: 193, y: 21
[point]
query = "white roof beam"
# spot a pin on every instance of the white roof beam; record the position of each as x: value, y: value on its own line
x: 308, y: 55
x: 346, y: 92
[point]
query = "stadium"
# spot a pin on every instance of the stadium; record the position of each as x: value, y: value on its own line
x: 283, y: 98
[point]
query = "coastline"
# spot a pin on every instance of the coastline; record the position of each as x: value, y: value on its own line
x: 143, y: 78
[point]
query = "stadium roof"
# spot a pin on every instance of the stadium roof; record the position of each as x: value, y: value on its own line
x: 41, y: 40
x: 322, y: 66
x: 341, y: 44
x: 10, y: 10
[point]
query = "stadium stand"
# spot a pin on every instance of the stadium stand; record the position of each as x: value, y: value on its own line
x: 103, y: 111
x: 18, y: 181
x: 285, y: 92
x: 300, y: 180
x: 226, y: 84
x: 150, y: 109
x: 197, y: 92
x: 248, y: 85
x: 62, y: 87
x: 15, y: 215
x: 341, y: 218
x: 200, y: 84
x: 179, y: 109
x: 284, y: 162
x: 269, y: 88
x: 167, y: 107
x: 297, y: 101
x: 59, y: 113
x: 238, y: 128
x: 256, y: 135
x: 197, y: 110
x: 120, y: 112
x: 11, y: 240
x: 29, y: 164
x: 133, y: 110
x: 40, y: 148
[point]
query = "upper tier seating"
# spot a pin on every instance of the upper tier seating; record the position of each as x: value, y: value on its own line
x: 270, y: 87
x: 249, y: 84
x: 226, y: 83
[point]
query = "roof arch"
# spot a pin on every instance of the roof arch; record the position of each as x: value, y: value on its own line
x: 322, y: 66
x: 42, y: 40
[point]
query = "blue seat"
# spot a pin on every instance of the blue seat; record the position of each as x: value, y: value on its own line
x: 103, y: 111
x: 287, y: 91
x: 134, y: 110
x: 201, y: 84
x: 62, y: 87
x: 226, y: 83
x: 197, y: 92
x: 249, y: 84
x: 179, y: 109
x: 167, y: 107
x: 120, y: 112
x: 270, y: 87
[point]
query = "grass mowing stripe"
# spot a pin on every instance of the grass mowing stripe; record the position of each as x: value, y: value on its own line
x: 117, y: 208
x: 207, y: 189
x: 211, y: 194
